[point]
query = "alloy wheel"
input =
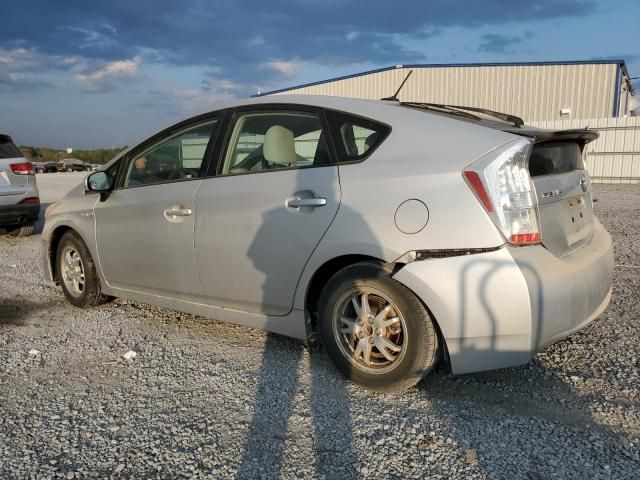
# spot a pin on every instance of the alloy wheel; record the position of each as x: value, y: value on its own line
x: 370, y: 330
x: 72, y: 271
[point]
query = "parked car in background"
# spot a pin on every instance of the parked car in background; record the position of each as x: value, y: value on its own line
x: 19, y: 198
x: 73, y: 165
x: 400, y: 234
x: 45, y: 167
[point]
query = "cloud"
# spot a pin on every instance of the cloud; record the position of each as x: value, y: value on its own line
x: 286, y: 69
x: 102, y: 78
x: 226, y: 86
x: 24, y: 69
x: 30, y: 60
x: 20, y: 82
x: 235, y: 38
x: 94, y: 38
x: 185, y: 101
x: 497, y: 43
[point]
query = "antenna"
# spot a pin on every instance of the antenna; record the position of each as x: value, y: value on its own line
x: 394, y: 98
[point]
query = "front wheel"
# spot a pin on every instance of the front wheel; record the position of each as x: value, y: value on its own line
x: 376, y: 330
x: 77, y: 272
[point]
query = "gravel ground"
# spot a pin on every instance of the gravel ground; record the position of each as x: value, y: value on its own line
x: 208, y: 400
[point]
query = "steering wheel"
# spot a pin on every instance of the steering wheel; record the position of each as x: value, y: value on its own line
x: 176, y: 174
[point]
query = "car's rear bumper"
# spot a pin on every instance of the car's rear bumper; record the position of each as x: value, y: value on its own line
x: 497, y: 309
x: 19, y: 214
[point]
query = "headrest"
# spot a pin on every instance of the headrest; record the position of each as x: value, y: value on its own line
x: 371, y: 139
x: 279, y: 146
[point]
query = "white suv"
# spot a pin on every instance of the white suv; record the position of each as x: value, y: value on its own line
x: 19, y: 199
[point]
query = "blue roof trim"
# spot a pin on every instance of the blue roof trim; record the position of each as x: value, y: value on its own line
x: 450, y: 65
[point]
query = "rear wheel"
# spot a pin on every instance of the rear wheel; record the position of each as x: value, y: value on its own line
x: 21, y: 231
x: 77, y: 272
x: 69, y: 169
x: 377, y: 332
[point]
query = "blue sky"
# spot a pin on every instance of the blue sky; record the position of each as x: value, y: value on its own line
x: 86, y: 74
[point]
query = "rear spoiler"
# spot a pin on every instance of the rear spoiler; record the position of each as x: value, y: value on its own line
x: 584, y: 135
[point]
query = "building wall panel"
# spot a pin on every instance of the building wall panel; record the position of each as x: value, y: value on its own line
x: 533, y: 92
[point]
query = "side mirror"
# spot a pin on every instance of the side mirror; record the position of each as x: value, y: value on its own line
x: 98, y: 182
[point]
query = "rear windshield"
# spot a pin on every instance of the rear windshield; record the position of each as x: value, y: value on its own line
x: 8, y: 149
x: 555, y: 158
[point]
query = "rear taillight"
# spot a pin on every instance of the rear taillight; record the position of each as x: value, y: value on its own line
x: 25, y: 168
x: 31, y: 201
x: 503, y: 186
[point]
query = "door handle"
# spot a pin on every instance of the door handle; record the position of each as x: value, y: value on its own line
x: 178, y: 212
x: 306, y: 202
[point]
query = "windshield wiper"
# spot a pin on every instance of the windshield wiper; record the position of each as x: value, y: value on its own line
x: 505, y: 117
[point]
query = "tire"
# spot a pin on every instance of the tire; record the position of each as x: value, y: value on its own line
x: 69, y: 169
x: 416, y: 338
x: 39, y: 170
x: 85, y: 292
x: 21, y: 231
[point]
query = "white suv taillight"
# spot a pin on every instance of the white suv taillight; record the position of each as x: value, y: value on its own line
x: 24, y: 168
x: 503, y: 186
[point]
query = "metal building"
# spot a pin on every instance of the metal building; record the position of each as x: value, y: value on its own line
x: 535, y: 91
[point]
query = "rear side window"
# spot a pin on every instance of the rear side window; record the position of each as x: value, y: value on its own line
x: 555, y: 158
x: 8, y: 149
x: 355, y: 137
x: 276, y: 140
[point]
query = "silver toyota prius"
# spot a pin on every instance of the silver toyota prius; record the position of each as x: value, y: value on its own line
x: 399, y: 234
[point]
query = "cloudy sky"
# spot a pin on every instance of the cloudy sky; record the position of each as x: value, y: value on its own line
x: 100, y: 74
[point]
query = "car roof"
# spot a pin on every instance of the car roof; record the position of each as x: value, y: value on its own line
x: 376, y: 109
x: 385, y: 111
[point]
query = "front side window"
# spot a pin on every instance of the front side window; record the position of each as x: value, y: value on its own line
x: 175, y: 158
x: 355, y: 137
x: 276, y: 140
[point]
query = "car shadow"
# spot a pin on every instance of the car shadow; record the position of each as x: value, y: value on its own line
x: 39, y: 225
x: 15, y: 311
x: 280, y: 383
x: 460, y: 404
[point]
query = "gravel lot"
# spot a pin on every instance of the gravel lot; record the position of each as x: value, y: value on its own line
x: 203, y: 399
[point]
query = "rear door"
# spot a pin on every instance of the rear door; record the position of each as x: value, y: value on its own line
x: 563, y: 189
x: 10, y: 183
x: 275, y: 193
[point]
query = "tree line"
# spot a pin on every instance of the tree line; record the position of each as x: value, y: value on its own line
x: 44, y: 154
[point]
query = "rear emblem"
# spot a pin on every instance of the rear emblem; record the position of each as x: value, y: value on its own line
x: 583, y: 182
x: 552, y: 193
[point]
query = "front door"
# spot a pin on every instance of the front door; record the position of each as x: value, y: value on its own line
x: 144, y: 229
x: 261, y: 217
